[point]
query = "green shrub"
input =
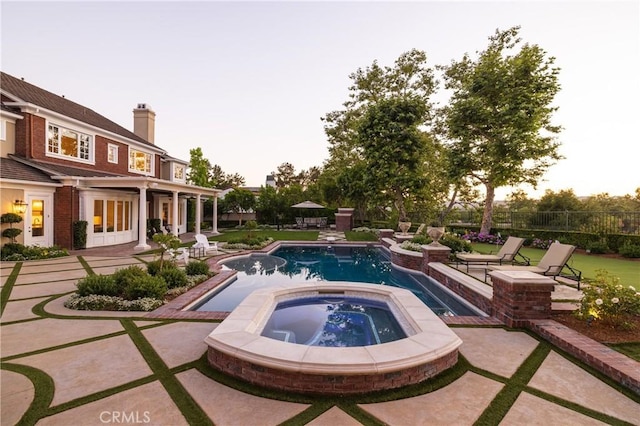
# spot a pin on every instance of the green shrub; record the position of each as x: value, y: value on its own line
x: 111, y: 303
x: 11, y: 233
x: 123, y: 277
x: 455, y: 243
x: 421, y: 239
x: 598, y: 247
x: 174, y: 277
x: 80, y: 234
x: 606, y: 300
x: 97, y: 284
x: 11, y: 249
x: 630, y: 250
x: 141, y: 287
x: 153, y: 267
x: 196, y: 267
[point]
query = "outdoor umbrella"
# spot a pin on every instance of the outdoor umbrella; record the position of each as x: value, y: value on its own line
x: 307, y: 205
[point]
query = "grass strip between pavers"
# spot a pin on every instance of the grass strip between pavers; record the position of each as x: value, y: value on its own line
x: 43, y: 394
x: 86, y: 265
x: 8, y: 286
x: 185, y: 403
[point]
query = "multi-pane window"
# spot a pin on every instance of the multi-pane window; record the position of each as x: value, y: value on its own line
x: 178, y: 172
x: 69, y: 143
x: 112, y: 216
x: 112, y: 153
x: 139, y: 161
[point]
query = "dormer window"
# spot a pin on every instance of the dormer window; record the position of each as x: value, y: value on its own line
x: 68, y: 143
x: 178, y: 172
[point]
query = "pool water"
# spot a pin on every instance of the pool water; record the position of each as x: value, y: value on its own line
x: 295, y: 264
x: 333, y: 322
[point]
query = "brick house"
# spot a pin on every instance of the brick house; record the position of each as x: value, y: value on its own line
x: 62, y: 162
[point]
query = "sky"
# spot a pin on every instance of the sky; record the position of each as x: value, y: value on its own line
x: 248, y: 82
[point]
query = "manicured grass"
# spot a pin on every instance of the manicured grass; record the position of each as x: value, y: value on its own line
x: 276, y: 235
x: 627, y: 270
x: 632, y: 349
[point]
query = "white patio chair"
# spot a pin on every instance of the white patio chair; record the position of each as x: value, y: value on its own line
x: 203, y: 243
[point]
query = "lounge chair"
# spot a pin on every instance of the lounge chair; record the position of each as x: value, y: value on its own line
x: 507, y: 254
x: 300, y: 223
x: 420, y: 229
x: 203, y: 243
x: 181, y: 253
x: 552, y: 264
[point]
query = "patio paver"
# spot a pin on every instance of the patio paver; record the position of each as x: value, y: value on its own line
x: 227, y: 407
x: 20, y: 310
x: 17, y: 392
x: 104, y: 364
x: 460, y: 403
x: 146, y: 404
x: 180, y: 342
x: 37, y: 278
x: 333, y: 417
x: 560, y: 377
x: 45, y: 289
x: 533, y: 411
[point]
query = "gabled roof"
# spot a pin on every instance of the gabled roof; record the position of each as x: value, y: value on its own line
x: 29, y: 93
x: 16, y: 170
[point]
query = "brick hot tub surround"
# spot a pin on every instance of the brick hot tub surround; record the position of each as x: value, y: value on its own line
x: 237, y: 348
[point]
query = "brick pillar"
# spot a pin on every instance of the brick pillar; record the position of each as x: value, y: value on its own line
x: 385, y: 233
x: 519, y: 296
x: 344, y: 219
x: 434, y: 253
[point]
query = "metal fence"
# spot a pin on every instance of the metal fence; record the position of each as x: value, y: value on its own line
x: 578, y: 221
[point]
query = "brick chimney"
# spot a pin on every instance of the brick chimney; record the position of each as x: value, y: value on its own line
x: 144, y: 122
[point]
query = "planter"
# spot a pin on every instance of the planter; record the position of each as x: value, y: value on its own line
x: 435, y: 233
x: 404, y: 227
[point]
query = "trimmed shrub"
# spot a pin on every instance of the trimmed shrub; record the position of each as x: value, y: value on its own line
x: 141, y: 287
x: 96, y: 302
x: 11, y: 248
x: 153, y: 267
x: 630, y: 250
x: 196, y: 267
x: 455, y: 243
x: 174, y: 277
x: 598, y: 247
x: 421, y: 239
x: 123, y: 277
x: 97, y: 284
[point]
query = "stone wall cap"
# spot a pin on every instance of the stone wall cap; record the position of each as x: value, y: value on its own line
x: 522, y: 277
x: 439, y: 247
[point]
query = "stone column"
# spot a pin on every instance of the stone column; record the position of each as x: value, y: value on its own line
x: 214, y: 230
x: 198, y: 208
x: 519, y: 296
x: 174, y: 213
x: 142, y: 220
x: 434, y: 253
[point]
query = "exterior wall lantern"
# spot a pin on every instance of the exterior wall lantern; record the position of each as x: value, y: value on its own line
x: 19, y: 207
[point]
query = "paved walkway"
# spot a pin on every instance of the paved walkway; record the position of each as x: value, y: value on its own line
x: 62, y: 367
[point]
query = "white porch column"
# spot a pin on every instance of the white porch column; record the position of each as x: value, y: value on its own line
x: 142, y: 220
x: 215, y: 214
x: 176, y: 219
x: 198, y: 208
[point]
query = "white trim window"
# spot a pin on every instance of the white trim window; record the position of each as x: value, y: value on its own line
x: 112, y: 153
x: 69, y: 144
x: 178, y: 172
x: 140, y: 162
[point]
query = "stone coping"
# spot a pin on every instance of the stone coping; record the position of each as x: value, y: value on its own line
x: 397, y: 249
x: 517, y: 277
x: 464, y: 279
x: 428, y: 337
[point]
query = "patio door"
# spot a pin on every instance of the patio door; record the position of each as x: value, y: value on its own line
x: 166, y: 214
x: 38, y: 227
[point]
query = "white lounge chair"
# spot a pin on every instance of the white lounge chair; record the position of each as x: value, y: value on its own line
x: 203, y: 243
x: 506, y: 254
x: 552, y: 264
x: 180, y: 254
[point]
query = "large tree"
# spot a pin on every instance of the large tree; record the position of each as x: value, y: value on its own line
x: 373, y: 90
x: 498, y: 120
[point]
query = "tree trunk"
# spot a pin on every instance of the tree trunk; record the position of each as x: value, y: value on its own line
x: 487, y: 215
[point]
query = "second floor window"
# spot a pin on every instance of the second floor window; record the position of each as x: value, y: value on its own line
x: 69, y: 143
x: 178, y: 172
x: 139, y: 161
x: 112, y: 153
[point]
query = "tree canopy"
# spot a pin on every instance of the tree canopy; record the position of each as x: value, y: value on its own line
x: 498, y: 120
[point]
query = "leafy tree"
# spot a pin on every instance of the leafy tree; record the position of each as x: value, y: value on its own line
x: 285, y: 175
x: 239, y: 201
x: 199, y: 169
x: 498, y: 120
x: 270, y: 205
x: 393, y: 149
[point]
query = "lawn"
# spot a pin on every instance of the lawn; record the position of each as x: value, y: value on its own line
x: 276, y: 235
x: 627, y: 270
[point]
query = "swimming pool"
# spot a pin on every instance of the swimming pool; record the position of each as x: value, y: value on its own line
x: 290, y: 264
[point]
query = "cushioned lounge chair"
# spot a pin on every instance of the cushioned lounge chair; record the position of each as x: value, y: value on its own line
x: 507, y: 254
x: 552, y: 264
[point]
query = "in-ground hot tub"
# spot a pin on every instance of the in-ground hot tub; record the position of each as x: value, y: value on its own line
x: 237, y: 348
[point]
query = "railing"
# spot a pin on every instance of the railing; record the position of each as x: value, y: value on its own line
x: 579, y: 221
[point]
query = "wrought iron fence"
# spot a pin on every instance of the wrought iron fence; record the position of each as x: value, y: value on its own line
x: 579, y: 221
